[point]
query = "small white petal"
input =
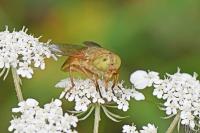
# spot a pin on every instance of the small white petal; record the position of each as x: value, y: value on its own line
x: 139, y: 79
x: 31, y: 102
x: 58, y: 102
x: 1, y: 64
x: 139, y: 96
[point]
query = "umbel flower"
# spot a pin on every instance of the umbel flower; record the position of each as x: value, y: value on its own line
x: 181, y: 93
x: 145, y: 129
x: 21, y: 51
x: 34, y: 119
x: 85, y: 93
x: 88, y: 98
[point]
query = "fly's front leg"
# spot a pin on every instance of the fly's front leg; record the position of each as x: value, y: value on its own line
x: 97, y: 86
x: 96, y: 82
x: 94, y: 79
x: 115, y: 79
x: 106, y: 83
x: 89, y: 74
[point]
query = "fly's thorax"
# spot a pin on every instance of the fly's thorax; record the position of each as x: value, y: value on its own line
x: 93, y: 52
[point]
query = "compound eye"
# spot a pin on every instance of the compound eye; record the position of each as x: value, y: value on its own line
x: 104, y: 59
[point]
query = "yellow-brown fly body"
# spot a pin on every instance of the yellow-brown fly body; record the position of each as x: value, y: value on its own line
x: 93, y: 61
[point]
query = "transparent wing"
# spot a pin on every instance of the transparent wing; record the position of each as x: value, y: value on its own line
x: 66, y: 49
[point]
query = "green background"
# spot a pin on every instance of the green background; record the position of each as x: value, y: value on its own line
x: 158, y: 35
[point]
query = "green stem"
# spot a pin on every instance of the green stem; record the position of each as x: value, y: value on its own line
x: 96, y: 118
x: 17, y: 84
x: 174, y: 123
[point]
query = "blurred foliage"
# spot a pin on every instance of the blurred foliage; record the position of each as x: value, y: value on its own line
x: 159, y: 35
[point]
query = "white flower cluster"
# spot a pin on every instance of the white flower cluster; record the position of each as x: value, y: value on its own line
x: 20, y: 50
x: 84, y: 93
x: 181, y: 92
x: 49, y: 119
x: 145, y: 129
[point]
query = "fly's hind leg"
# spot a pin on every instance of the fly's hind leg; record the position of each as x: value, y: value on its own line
x: 68, y: 67
x: 71, y: 78
x: 72, y: 68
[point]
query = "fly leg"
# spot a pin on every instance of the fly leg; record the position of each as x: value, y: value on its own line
x: 89, y: 74
x: 94, y: 79
x: 97, y: 86
x: 115, y: 79
x: 106, y: 83
x: 73, y: 68
x: 71, y: 78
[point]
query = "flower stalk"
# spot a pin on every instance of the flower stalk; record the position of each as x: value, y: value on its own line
x: 174, y: 123
x: 97, y: 118
x: 17, y: 81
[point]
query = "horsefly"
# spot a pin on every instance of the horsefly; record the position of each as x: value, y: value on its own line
x: 91, y: 60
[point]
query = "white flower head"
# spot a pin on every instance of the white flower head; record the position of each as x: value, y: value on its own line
x: 149, y: 129
x: 146, y: 129
x: 129, y: 129
x: 142, y: 79
x: 22, y: 51
x: 85, y: 93
x: 181, y: 93
x: 34, y: 119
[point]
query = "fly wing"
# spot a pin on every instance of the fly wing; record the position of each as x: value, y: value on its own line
x: 66, y: 49
x: 91, y: 44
